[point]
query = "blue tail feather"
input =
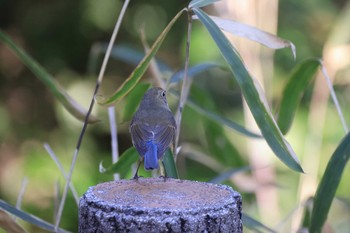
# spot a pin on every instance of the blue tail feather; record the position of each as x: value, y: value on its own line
x: 151, y: 159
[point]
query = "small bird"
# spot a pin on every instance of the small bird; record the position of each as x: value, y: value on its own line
x: 152, y: 128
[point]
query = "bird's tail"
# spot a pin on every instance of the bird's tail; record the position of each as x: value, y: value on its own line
x: 151, y: 159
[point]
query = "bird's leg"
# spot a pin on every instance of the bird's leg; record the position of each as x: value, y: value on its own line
x: 136, y: 176
x: 165, y: 174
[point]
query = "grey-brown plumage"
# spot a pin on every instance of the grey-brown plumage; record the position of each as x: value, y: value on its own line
x: 153, y: 127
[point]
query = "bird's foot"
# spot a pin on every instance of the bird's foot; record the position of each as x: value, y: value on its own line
x: 136, y: 177
x: 164, y: 177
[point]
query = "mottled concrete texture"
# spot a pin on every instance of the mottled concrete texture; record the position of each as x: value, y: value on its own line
x: 155, y: 205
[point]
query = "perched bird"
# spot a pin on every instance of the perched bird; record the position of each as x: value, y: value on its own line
x: 152, y: 128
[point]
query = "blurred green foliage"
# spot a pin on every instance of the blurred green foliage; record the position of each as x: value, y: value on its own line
x: 60, y: 35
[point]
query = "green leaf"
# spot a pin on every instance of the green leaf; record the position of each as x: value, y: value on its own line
x: 253, y: 97
x: 29, y: 218
x: 130, y: 156
x: 133, y: 99
x: 329, y: 184
x: 224, y: 152
x: 68, y: 102
x: 123, y: 53
x: 219, y: 119
x: 307, y: 214
x: 292, y: 93
x: 201, y: 3
x: 124, y: 163
x: 192, y: 71
x: 137, y: 74
x: 169, y: 164
x: 255, y: 225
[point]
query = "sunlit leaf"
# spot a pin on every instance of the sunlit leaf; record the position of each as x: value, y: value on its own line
x: 124, y: 163
x: 68, y: 102
x: 136, y: 75
x: 292, y: 93
x: 329, y: 184
x: 255, y: 225
x: 169, y: 165
x: 29, y: 218
x: 261, y: 113
x: 253, y: 33
x: 201, y: 3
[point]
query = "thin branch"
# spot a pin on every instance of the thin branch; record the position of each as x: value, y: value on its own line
x: 56, y: 200
x: 99, y: 80
x: 21, y: 193
x: 60, y: 167
x: 114, y: 137
x: 186, y: 84
x: 334, y: 97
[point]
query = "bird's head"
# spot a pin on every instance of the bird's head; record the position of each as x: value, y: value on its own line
x: 155, y: 97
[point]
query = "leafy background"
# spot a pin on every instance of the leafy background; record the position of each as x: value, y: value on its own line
x: 60, y: 35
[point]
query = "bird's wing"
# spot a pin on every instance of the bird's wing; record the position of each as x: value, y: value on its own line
x: 140, y: 134
x: 163, y: 135
x: 160, y: 134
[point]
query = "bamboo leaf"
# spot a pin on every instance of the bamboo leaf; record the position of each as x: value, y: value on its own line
x: 221, y: 120
x: 306, y: 215
x: 169, y: 165
x: 253, y: 33
x: 29, y: 218
x: 133, y: 100
x: 124, y: 163
x: 195, y: 70
x: 131, y: 156
x: 329, y: 184
x: 292, y: 93
x: 217, y: 118
x: 201, y: 3
x: 227, y: 174
x: 56, y: 89
x: 136, y: 75
x: 255, y: 101
x: 122, y: 53
x: 255, y: 225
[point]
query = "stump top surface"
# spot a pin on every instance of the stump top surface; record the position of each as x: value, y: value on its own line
x: 157, y: 193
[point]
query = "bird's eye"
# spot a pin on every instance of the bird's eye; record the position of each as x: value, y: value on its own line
x: 163, y: 93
